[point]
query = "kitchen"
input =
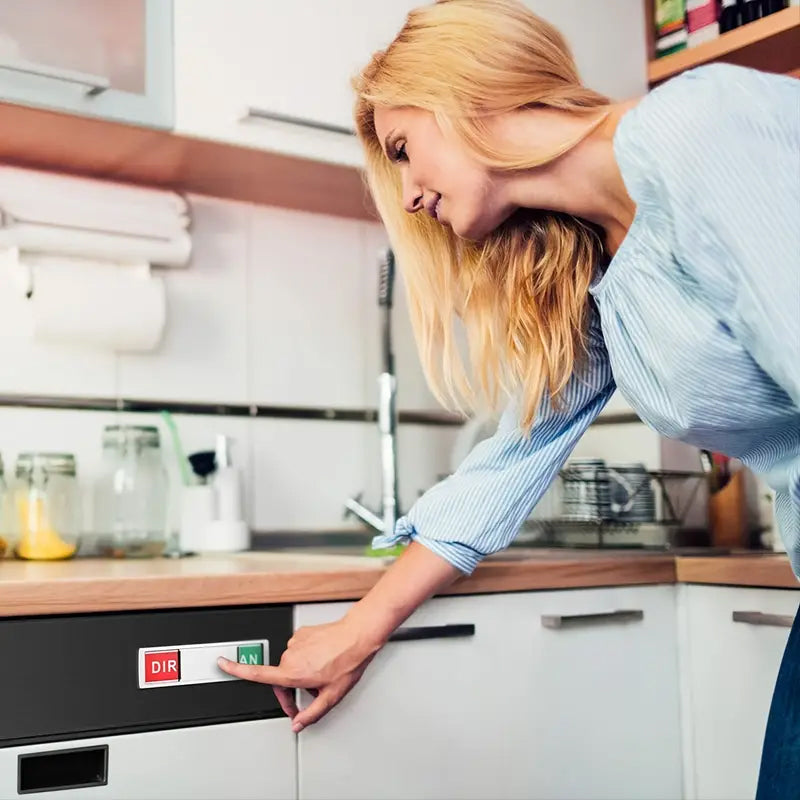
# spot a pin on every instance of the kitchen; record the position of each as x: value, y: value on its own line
x: 258, y: 353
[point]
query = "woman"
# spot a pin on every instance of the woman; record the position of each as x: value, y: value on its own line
x: 583, y: 245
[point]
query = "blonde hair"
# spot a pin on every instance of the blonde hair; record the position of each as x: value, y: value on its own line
x: 521, y: 294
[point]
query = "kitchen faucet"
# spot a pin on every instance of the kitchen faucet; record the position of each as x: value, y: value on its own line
x: 384, y: 521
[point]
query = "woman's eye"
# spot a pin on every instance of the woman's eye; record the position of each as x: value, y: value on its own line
x: 400, y: 153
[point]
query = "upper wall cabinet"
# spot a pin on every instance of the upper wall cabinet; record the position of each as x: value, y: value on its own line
x: 608, y: 41
x: 276, y: 75
x: 90, y: 57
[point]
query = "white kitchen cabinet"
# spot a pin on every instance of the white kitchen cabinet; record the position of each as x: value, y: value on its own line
x: 89, y: 57
x: 517, y: 710
x: 606, y: 719
x: 435, y: 718
x: 729, y: 669
x: 241, y: 64
x: 239, y: 760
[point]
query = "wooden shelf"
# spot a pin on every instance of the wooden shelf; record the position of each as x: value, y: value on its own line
x: 771, y: 44
x: 114, y: 151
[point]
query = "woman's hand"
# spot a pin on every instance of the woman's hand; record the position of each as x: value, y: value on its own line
x: 326, y: 660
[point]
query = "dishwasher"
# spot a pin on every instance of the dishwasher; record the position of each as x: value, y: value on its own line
x: 133, y: 705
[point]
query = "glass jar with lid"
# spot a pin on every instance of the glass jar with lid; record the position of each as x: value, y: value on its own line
x: 46, y: 506
x: 131, y: 494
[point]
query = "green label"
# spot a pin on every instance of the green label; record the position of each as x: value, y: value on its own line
x: 250, y: 654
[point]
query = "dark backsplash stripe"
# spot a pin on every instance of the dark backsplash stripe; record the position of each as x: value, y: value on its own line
x: 410, y: 417
x: 222, y: 409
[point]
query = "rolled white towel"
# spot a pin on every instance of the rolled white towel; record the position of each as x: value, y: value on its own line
x: 32, y: 196
x: 48, y: 239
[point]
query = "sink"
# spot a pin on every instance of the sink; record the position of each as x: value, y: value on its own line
x: 356, y: 544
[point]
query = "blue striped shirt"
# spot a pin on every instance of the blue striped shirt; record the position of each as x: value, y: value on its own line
x: 696, y: 320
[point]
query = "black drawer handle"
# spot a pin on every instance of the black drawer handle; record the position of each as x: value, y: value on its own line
x: 432, y: 632
x: 62, y: 769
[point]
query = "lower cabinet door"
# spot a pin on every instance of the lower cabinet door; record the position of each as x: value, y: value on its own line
x: 244, y: 760
x: 605, y: 719
x: 440, y: 713
x: 732, y: 642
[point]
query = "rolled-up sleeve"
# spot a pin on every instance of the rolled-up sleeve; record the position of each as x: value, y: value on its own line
x: 479, y: 509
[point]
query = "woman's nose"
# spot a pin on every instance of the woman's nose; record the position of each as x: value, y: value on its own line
x: 412, y: 196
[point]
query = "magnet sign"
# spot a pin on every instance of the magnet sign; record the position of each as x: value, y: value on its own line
x: 162, y: 666
x: 181, y: 665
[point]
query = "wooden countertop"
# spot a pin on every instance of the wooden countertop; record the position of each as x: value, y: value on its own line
x: 92, y: 585
x: 769, y: 570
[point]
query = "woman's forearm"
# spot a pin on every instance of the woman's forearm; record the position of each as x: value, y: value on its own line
x: 413, y: 578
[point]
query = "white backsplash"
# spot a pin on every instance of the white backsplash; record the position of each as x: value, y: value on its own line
x: 277, y: 307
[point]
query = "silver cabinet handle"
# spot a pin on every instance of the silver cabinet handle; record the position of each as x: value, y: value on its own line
x: 96, y: 84
x: 574, y: 620
x: 760, y: 618
x: 273, y: 116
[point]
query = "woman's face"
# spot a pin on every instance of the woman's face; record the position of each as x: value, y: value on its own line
x: 439, y: 176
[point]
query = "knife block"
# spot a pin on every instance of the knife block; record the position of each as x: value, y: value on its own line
x: 727, y: 514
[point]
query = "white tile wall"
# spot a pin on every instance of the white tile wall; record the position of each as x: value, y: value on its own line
x: 304, y: 472
x: 277, y: 307
x: 203, y: 354
x: 621, y: 444
x: 306, y: 311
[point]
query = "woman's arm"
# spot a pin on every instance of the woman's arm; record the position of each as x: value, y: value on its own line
x: 474, y: 512
x: 329, y: 659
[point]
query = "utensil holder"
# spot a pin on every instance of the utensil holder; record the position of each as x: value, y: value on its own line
x: 727, y: 513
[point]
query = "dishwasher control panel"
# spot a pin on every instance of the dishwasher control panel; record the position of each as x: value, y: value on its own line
x: 186, y: 664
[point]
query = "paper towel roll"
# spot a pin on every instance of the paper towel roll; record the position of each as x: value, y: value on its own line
x: 115, y: 308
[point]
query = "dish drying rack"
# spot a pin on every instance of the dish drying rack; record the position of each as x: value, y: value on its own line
x: 609, y: 530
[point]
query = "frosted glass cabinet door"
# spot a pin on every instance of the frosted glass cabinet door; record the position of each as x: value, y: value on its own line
x: 100, y: 58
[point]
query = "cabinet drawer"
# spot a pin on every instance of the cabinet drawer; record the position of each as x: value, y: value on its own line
x: 79, y: 675
x: 732, y: 642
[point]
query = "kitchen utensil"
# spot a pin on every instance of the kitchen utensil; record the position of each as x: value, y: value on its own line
x: 183, y: 464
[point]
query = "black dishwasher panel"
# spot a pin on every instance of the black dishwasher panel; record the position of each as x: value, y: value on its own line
x: 77, y: 676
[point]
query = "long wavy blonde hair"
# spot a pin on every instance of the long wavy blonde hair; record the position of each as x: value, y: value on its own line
x: 520, y: 294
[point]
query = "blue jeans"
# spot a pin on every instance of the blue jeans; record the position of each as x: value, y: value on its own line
x: 779, y: 777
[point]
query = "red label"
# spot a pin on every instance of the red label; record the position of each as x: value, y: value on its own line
x: 162, y: 666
